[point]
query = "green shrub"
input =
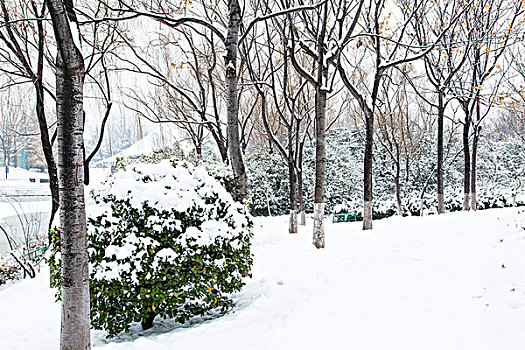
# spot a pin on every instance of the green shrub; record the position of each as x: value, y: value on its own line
x: 10, y: 270
x: 165, y: 239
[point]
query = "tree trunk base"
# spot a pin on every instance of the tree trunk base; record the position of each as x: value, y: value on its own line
x: 473, y: 201
x: 318, y: 225
x: 293, y: 221
x: 367, y: 215
x: 466, y: 201
x: 147, y: 322
x: 441, y: 203
x: 303, y: 218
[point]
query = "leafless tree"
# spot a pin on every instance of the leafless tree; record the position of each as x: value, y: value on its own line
x: 387, y: 42
x: 230, y: 28
x: 441, y: 66
x: 397, y: 130
x: 23, y: 55
x: 315, y: 36
x: 70, y: 74
x: 285, y: 109
x: 492, y: 25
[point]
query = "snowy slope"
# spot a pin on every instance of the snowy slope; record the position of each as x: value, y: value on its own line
x: 455, y: 281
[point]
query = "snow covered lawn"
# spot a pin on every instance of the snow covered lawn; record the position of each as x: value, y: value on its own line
x: 455, y: 281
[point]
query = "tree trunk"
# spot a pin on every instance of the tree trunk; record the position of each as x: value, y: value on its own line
x: 466, y: 173
x: 267, y: 194
x: 302, y: 220
x: 293, y: 198
x: 234, y: 145
x: 440, y: 192
x: 473, y: 203
x: 147, y: 322
x: 367, y: 181
x: 75, y: 276
x: 75, y: 328
x: 224, y: 153
x: 398, y: 190
x: 320, y: 161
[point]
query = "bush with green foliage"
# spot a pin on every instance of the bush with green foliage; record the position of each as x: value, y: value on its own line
x: 165, y: 239
x: 10, y: 270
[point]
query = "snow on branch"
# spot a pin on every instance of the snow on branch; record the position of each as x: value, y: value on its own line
x: 277, y: 14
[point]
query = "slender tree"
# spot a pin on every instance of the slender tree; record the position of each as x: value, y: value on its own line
x: 70, y: 70
x: 322, y: 42
x: 281, y: 91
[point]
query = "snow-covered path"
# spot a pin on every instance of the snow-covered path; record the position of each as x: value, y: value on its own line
x: 455, y: 281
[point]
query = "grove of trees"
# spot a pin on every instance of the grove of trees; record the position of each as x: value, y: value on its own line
x: 389, y: 107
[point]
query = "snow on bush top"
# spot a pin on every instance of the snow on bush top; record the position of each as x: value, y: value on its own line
x: 173, y: 185
x: 165, y: 185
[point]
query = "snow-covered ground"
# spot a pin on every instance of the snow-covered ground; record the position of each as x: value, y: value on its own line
x: 456, y: 281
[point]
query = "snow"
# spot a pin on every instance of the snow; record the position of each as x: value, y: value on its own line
x: 21, y: 174
x: 455, y: 281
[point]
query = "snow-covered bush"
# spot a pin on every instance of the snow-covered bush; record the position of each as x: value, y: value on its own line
x: 221, y: 172
x: 164, y: 239
x: 10, y: 270
x: 500, y: 176
x: 269, y: 183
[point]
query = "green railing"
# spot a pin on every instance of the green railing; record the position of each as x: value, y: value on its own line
x: 37, y: 253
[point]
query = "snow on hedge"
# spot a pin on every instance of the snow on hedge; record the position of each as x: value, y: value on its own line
x: 165, y: 238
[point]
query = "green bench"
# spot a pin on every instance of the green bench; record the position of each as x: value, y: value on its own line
x: 344, y: 217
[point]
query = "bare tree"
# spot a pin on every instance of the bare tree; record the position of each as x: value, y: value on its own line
x: 23, y: 42
x: 387, y: 44
x: 322, y: 42
x: 398, y: 130
x: 70, y: 72
x: 441, y: 66
x: 492, y: 25
x: 282, y: 94
x: 231, y: 30
x: 188, y: 93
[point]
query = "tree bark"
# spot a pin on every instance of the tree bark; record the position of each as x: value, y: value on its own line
x: 293, y: 198
x: 75, y: 277
x: 234, y: 146
x: 398, y: 190
x: 440, y: 131
x: 320, y: 161
x: 466, y: 171
x: 367, y: 174
x: 75, y: 328
x: 473, y: 199
x: 302, y: 220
